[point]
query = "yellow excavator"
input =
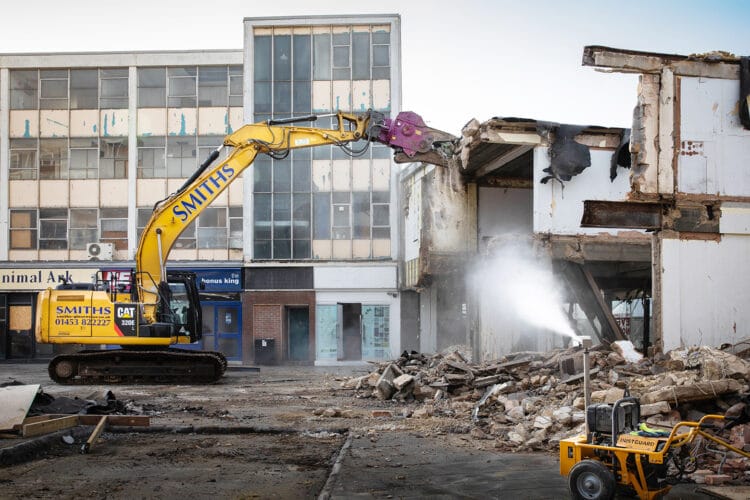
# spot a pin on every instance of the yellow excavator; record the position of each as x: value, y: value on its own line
x: 159, y: 308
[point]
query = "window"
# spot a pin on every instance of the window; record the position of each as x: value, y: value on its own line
x: 83, y: 227
x: 361, y: 215
x: 235, y: 227
x: 181, y: 156
x: 53, y: 228
x: 23, y: 159
x: 182, y: 88
x: 24, y: 88
x: 322, y: 57
x: 361, y: 55
x: 235, y: 86
x: 84, y: 158
x: 53, y: 89
x: 113, y: 225
x: 152, y: 160
x: 84, y: 89
x: 53, y: 158
x: 114, y: 88
x: 152, y: 87
x: 381, y: 218
x: 341, y: 56
x: 212, y: 228
x: 23, y: 229
x: 212, y: 86
x: 381, y: 55
x: 341, y: 216
x: 113, y: 154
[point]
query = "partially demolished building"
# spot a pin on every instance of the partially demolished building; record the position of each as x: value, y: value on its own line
x: 658, y: 217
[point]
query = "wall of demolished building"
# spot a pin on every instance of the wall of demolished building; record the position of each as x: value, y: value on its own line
x: 691, y: 154
x: 558, y: 208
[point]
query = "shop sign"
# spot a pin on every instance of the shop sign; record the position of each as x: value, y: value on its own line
x: 217, y: 280
x: 40, y: 279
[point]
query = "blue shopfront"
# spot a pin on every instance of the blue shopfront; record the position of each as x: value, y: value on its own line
x: 220, y: 296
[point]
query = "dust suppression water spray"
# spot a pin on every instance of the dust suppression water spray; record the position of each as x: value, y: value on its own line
x: 515, y: 276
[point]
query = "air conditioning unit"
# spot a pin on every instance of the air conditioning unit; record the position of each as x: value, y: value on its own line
x: 99, y: 251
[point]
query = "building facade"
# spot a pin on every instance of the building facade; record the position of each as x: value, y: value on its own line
x: 90, y: 142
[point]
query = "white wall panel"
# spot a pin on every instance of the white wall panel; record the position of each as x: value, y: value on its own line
x: 113, y: 122
x: 54, y: 194
x: 213, y: 121
x: 149, y: 191
x: 84, y: 123
x: 24, y: 123
x: 23, y: 194
x: 342, y: 95
x: 321, y: 97
x: 84, y: 193
x: 114, y: 192
x: 381, y: 95
x: 361, y: 98
x: 367, y: 277
x: 54, y: 123
x: 714, y: 149
x: 152, y: 121
x: 558, y: 209
x: 705, y: 291
x: 182, y: 121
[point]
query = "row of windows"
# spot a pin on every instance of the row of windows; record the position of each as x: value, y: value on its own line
x: 178, y: 87
x: 107, y: 157
x: 284, y: 223
x: 351, y: 55
x: 74, y: 228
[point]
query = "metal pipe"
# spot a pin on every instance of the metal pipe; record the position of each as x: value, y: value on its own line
x: 586, y: 343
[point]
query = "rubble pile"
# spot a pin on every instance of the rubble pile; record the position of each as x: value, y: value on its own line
x: 531, y: 400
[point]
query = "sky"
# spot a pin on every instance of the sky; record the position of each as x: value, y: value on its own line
x: 461, y: 59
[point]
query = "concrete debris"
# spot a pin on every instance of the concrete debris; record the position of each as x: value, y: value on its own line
x: 529, y: 400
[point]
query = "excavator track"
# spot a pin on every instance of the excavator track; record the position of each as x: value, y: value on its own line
x: 138, y: 366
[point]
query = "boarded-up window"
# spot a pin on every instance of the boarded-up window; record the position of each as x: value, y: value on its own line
x: 23, y: 229
x: 20, y: 318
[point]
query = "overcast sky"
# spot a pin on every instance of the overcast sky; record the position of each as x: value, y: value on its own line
x: 462, y: 59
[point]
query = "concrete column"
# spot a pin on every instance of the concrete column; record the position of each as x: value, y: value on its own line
x: 132, y: 160
x: 4, y: 161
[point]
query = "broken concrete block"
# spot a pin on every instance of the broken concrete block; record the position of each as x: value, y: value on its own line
x: 381, y: 413
x: 717, y: 479
x: 516, y: 413
x: 542, y: 422
x: 332, y: 412
x: 385, y: 388
x: 402, y: 380
x: 424, y: 412
x: 563, y: 415
x: 655, y: 409
x: 699, y: 391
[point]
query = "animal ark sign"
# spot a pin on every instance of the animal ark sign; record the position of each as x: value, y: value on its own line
x: 41, y: 279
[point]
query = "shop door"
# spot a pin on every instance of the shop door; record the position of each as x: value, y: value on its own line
x: 20, y: 342
x: 298, y: 319
x: 222, y: 329
x: 349, y: 334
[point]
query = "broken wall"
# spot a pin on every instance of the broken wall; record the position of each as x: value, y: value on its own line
x: 558, y: 209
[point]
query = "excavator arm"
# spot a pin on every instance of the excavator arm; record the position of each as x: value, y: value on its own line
x: 407, y: 134
x: 165, y: 307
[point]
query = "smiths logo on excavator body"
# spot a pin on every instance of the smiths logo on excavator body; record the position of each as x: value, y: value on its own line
x: 198, y: 196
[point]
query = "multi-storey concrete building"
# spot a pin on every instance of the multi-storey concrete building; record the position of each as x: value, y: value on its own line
x: 299, y: 259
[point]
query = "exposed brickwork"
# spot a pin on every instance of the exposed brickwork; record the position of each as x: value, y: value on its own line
x: 264, y: 317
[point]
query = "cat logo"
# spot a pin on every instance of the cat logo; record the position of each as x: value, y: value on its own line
x: 126, y: 312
